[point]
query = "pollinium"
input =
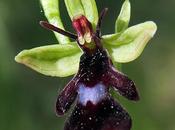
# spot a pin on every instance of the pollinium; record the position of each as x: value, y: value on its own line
x: 95, y: 108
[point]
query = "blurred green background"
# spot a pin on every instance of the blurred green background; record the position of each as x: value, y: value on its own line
x: 27, y: 98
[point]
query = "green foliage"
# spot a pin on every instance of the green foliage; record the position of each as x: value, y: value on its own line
x: 124, y: 17
x: 74, y: 8
x: 59, y: 60
x: 63, y: 60
x: 127, y: 46
x: 52, y: 13
x: 87, y: 8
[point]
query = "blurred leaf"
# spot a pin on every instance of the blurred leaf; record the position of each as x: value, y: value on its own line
x: 132, y: 42
x: 124, y: 17
x: 53, y: 60
x: 52, y: 13
x: 83, y: 7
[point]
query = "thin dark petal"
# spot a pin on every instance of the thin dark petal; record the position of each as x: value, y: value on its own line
x: 106, y: 115
x: 66, y: 97
x: 51, y: 27
x: 98, y: 28
x: 122, y: 83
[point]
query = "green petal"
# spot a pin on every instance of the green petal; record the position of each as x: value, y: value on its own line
x: 124, y: 17
x: 82, y: 7
x: 59, y: 60
x: 52, y: 13
x: 134, y: 40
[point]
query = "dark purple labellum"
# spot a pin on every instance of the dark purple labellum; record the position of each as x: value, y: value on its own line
x: 95, y: 108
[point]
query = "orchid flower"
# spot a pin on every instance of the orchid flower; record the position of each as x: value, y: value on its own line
x: 94, y: 61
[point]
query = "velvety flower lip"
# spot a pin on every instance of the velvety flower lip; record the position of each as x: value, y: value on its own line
x: 91, y: 84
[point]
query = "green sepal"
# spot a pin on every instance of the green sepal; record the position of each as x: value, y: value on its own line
x: 52, y: 13
x: 91, y: 12
x: 59, y: 60
x: 87, y: 8
x: 74, y: 8
x: 128, y: 35
x: 124, y: 17
x: 130, y: 44
x: 112, y: 39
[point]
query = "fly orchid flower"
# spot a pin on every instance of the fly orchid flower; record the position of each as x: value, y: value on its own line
x: 94, y: 66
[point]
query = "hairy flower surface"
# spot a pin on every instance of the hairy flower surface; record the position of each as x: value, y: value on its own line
x: 95, y: 67
x: 95, y: 109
